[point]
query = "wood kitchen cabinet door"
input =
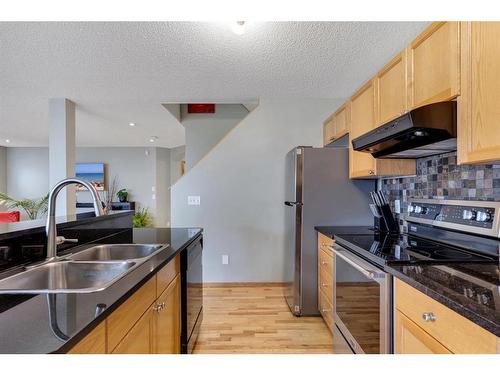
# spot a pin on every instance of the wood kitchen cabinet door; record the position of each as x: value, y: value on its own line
x: 329, y: 130
x: 167, y: 320
x: 139, y: 340
x: 392, y: 89
x: 411, y: 339
x: 434, y: 64
x: 341, y: 121
x: 362, y: 164
x: 479, y: 108
x: 93, y: 343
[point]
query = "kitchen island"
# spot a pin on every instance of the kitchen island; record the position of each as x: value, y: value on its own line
x: 57, y: 322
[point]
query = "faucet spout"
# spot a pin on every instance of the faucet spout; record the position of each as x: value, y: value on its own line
x: 50, y: 227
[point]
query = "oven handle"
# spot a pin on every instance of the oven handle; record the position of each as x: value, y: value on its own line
x: 339, y: 253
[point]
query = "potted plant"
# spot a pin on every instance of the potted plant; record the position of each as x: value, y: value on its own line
x: 33, y: 207
x: 141, y: 218
x: 122, y: 195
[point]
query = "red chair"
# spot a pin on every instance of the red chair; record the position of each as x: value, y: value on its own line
x: 9, y: 216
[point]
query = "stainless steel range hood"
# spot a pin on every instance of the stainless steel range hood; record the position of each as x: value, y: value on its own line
x: 425, y: 131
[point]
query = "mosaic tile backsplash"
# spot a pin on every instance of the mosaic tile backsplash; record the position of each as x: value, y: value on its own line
x: 439, y: 177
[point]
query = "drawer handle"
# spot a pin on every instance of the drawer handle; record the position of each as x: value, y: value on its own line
x: 158, y: 307
x: 429, y: 317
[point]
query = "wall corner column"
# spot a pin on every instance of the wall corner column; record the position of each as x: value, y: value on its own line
x: 62, y: 140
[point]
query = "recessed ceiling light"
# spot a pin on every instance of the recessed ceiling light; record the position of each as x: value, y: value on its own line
x: 7, y: 141
x: 131, y: 123
x: 153, y: 138
x: 238, y: 27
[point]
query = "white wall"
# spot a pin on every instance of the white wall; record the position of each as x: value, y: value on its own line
x: 204, y: 131
x: 3, y: 171
x: 177, y: 154
x: 162, y: 187
x: 138, y: 172
x: 241, y: 184
x: 135, y: 171
x: 27, y: 172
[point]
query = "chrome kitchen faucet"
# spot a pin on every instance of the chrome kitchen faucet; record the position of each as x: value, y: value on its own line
x: 52, y: 238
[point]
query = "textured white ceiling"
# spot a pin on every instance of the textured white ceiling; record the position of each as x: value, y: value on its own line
x: 122, y: 72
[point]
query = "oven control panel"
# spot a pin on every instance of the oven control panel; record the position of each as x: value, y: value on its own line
x: 460, y: 215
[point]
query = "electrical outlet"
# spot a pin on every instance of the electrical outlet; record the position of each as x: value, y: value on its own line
x: 397, y: 206
x: 225, y: 259
x: 194, y: 200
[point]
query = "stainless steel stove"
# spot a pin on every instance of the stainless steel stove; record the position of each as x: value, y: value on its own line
x: 441, y: 232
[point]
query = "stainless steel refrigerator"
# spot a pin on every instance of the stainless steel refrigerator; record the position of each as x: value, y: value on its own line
x: 318, y: 192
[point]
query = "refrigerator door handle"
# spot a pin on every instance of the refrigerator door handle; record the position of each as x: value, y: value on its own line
x: 291, y: 204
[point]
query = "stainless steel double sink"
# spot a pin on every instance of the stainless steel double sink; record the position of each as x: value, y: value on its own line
x: 90, y: 270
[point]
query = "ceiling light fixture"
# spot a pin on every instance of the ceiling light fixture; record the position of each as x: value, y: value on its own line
x: 239, y: 27
x: 7, y: 141
x: 131, y: 123
x: 153, y: 138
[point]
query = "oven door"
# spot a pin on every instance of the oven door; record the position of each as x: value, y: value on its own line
x: 362, y: 303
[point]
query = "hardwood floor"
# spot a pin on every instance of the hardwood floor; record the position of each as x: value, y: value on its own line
x: 256, y: 319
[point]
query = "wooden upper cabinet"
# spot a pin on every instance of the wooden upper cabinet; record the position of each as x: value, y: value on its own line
x: 392, y: 89
x: 362, y: 164
x: 341, y: 121
x: 434, y: 64
x: 479, y: 109
x: 337, y: 125
x: 362, y: 120
x: 329, y: 130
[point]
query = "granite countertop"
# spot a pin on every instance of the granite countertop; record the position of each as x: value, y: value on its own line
x: 331, y: 231
x: 9, y: 230
x: 24, y: 319
x: 472, y: 290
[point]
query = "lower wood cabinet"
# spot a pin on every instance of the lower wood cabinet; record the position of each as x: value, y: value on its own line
x: 423, y: 325
x: 139, y: 340
x: 167, y: 320
x: 325, y: 279
x: 411, y: 339
x: 93, y: 343
x: 148, y: 322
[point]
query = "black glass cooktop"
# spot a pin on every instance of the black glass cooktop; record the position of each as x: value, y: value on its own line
x: 387, y: 249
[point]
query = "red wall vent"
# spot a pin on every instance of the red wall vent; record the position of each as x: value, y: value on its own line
x: 201, y: 108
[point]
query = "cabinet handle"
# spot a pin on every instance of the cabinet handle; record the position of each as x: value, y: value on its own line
x: 325, y: 310
x: 371, y: 172
x: 158, y: 307
x: 324, y: 285
x: 429, y: 317
x: 332, y: 138
x: 323, y: 263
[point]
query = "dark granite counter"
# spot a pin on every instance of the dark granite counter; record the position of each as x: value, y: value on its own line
x: 25, y: 324
x: 336, y: 231
x: 471, y: 290
x: 10, y: 230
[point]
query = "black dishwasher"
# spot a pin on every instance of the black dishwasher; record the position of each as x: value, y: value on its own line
x: 192, y: 294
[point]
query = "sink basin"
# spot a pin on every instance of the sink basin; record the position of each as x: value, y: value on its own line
x: 116, y: 252
x: 65, y: 277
